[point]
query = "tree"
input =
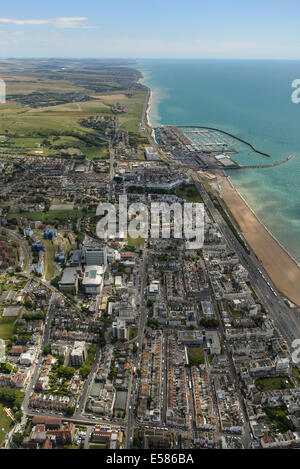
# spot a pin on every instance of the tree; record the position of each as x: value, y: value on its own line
x: 70, y: 411
x: 17, y: 438
x: 28, y: 304
x: 66, y: 371
x: 85, y: 371
x: 47, y: 349
x: 61, y: 359
x: 5, y: 368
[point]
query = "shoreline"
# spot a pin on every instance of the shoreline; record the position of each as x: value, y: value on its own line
x: 149, y: 105
x: 153, y: 102
x: 280, y: 265
x: 265, y: 227
x: 282, y: 268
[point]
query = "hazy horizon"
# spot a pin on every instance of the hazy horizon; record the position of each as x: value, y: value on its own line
x: 256, y: 29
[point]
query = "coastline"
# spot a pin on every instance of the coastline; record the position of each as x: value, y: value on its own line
x: 148, y: 111
x: 280, y: 265
x: 156, y: 95
x: 282, y: 268
x: 266, y: 228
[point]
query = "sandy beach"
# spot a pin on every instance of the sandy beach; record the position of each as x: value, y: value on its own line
x: 282, y: 269
x: 150, y: 103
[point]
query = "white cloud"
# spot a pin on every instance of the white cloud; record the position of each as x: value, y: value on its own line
x: 68, y: 22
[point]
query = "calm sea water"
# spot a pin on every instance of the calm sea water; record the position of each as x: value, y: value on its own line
x: 252, y: 100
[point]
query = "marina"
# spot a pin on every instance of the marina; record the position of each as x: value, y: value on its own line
x: 206, y: 148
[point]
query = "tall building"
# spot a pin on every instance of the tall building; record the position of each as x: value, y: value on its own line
x: 92, y: 281
x: 78, y: 354
x: 94, y: 255
x: 119, y: 329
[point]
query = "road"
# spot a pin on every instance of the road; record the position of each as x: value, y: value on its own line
x: 283, y: 317
x: 36, y: 367
x: 84, y: 392
x: 133, y: 386
x: 25, y: 245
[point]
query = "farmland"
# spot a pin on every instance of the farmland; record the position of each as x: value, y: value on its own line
x: 33, y: 123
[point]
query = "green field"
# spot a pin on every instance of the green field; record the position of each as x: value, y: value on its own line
x: 6, y: 327
x: 49, y: 102
x: 138, y: 242
x: 196, y: 356
x: 237, y: 314
x: 296, y: 374
x: 50, y: 265
x: 189, y: 192
x: 5, y: 422
x: 97, y: 446
x: 273, y: 383
x: 59, y: 215
x: 133, y: 332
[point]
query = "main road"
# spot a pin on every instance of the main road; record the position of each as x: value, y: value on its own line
x: 133, y: 385
x: 274, y: 305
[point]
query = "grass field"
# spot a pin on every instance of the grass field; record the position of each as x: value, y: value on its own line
x: 50, y: 265
x: 133, y: 332
x: 6, y: 327
x: 26, y: 127
x: 97, y: 446
x: 97, y: 87
x: 196, y: 356
x: 296, y: 374
x: 273, y: 383
x: 189, y: 192
x: 59, y: 215
x: 138, y: 242
x: 5, y: 422
x: 237, y: 314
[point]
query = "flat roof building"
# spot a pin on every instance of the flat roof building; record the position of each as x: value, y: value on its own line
x: 93, y: 279
x: 69, y: 281
x: 213, y: 342
x: 78, y: 354
x: 95, y: 255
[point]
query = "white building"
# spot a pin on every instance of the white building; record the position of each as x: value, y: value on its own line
x: 151, y: 154
x: 27, y: 358
x: 78, y: 354
x: 93, y: 279
x: 153, y: 289
x: 120, y: 330
x: 118, y: 281
x: 213, y: 342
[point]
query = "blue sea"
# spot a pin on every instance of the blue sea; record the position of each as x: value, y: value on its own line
x: 252, y: 100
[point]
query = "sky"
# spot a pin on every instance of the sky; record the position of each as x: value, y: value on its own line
x: 229, y: 29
